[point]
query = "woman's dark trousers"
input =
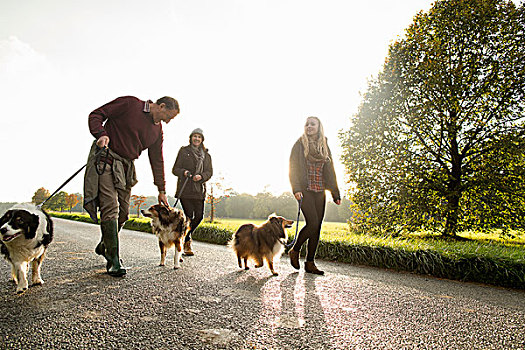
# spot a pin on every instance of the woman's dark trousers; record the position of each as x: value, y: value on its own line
x: 313, y: 207
x: 194, y: 209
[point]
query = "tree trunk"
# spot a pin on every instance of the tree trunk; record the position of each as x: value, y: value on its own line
x: 212, y: 209
x: 454, y: 190
x: 451, y: 223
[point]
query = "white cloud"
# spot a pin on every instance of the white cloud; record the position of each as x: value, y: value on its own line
x: 18, y: 57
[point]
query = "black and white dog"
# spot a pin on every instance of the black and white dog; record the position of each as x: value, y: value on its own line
x: 25, y: 233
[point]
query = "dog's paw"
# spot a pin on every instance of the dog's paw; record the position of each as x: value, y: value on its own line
x: 21, y: 290
x: 176, y: 267
x: 38, y: 283
x: 246, y: 268
x: 275, y: 273
x: 161, y: 264
x: 257, y: 266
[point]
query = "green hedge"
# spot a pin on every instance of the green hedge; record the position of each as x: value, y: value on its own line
x: 457, y: 265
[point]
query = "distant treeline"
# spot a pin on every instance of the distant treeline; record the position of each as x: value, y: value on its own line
x: 263, y: 204
x: 260, y: 206
x: 242, y: 206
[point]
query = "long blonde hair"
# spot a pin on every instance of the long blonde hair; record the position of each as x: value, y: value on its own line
x: 320, y: 142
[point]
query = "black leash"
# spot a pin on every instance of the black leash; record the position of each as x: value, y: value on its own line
x: 97, y: 159
x: 297, y: 224
x: 182, y: 189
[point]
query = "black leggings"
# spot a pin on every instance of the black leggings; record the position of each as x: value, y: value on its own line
x: 313, y: 207
x: 194, y: 209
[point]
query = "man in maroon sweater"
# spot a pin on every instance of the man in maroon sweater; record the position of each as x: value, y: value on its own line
x: 124, y: 128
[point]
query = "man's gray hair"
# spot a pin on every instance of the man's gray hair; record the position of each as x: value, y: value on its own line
x: 170, y: 102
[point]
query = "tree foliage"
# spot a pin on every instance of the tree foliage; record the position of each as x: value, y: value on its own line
x: 71, y: 201
x: 216, y: 193
x: 40, y: 195
x: 57, y: 202
x: 437, y: 141
x: 137, y: 201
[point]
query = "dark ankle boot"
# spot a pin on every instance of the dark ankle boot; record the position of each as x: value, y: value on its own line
x: 187, y: 249
x: 110, y: 242
x: 294, y: 258
x: 309, y: 266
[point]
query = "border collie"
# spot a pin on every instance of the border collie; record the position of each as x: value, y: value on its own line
x: 25, y: 233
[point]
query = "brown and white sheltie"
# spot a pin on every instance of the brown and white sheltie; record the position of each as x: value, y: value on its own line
x: 259, y: 243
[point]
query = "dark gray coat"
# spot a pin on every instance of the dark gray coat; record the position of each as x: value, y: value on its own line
x: 186, y: 161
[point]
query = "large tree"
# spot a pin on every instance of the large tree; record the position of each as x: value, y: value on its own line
x: 57, y: 202
x: 437, y: 142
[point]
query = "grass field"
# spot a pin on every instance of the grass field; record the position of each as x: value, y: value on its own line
x: 340, y: 231
x: 481, y: 258
x: 329, y: 229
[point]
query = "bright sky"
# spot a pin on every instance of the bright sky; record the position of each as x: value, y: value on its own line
x: 247, y: 72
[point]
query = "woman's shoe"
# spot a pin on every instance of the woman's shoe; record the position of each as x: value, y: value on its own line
x: 294, y: 258
x: 309, y: 266
x: 187, y: 249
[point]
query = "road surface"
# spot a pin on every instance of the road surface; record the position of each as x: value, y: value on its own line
x: 211, y: 304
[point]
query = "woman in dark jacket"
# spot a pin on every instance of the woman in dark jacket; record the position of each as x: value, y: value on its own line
x: 311, y: 173
x: 193, y: 162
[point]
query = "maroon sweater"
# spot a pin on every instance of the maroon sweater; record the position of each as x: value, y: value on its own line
x: 131, y: 130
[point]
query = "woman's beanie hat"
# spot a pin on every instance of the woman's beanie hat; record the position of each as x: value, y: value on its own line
x: 197, y: 131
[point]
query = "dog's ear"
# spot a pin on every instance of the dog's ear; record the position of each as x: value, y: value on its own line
x: 277, y: 224
x: 32, y: 225
x: 164, y: 215
x: 49, y: 223
x: 180, y: 225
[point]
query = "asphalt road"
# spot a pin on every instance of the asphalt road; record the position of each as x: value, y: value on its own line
x: 210, y: 303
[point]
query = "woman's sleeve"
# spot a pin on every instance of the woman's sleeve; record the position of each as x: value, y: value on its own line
x: 295, y: 169
x: 178, y: 170
x: 207, y: 172
x: 332, y: 179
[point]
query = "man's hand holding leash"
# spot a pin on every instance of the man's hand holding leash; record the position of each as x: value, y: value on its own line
x: 103, y: 141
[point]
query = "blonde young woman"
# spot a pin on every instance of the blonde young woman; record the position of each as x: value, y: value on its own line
x: 311, y: 173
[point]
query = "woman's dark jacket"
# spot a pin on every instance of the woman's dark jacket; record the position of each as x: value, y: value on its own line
x: 186, y: 161
x: 299, y: 172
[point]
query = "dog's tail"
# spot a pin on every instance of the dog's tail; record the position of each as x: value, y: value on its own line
x: 236, y: 240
